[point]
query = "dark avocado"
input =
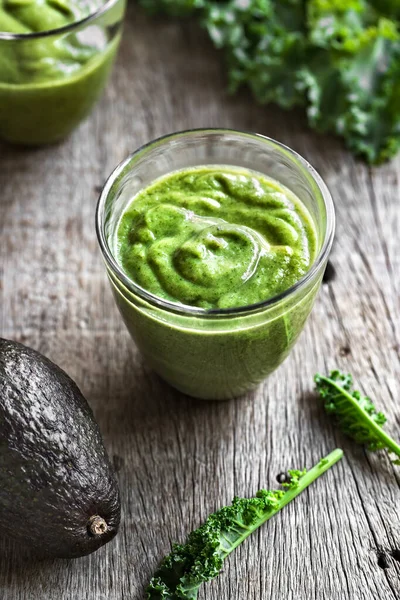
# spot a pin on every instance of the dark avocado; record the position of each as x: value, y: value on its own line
x: 58, y: 493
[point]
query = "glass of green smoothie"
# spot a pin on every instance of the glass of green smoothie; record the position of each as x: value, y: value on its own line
x: 215, y: 244
x: 55, y: 59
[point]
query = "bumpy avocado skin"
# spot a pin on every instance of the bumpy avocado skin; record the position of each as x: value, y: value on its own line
x: 54, y: 470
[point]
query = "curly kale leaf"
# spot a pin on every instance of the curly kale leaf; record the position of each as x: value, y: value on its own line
x: 355, y: 414
x: 200, y: 559
x: 264, y: 43
x: 338, y: 58
x: 351, y: 76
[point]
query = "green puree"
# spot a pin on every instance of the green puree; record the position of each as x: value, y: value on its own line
x: 27, y: 16
x: 48, y: 84
x: 216, y: 237
x: 50, y: 59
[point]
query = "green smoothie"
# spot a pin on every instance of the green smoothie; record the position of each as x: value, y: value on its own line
x: 216, y: 237
x: 209, y: 241
x: 49, y: 82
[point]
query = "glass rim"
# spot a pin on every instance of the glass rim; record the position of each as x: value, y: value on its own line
x: 8, y: 35
x: 187, y: 310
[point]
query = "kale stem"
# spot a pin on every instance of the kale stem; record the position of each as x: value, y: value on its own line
x: 306, y: 480
x: 377, y: 429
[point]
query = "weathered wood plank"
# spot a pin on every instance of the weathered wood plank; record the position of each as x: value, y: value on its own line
x: 178, y: 458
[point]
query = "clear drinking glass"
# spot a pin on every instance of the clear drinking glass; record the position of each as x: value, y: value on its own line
x: 50, y: 80
x: 219, y: 353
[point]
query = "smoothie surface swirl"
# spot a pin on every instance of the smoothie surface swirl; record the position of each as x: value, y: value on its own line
x: 215, y: 237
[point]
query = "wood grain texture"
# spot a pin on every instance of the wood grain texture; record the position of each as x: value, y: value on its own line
x: 177, y: 458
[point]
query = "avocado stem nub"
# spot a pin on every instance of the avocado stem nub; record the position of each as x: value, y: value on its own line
x: 97, y: 526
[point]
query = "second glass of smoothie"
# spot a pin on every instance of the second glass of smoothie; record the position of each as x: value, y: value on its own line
x: 55, y: 60
x: 215, y: 243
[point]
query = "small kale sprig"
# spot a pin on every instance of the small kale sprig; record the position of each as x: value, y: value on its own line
x: 200, y: 559
x: 355, y: 414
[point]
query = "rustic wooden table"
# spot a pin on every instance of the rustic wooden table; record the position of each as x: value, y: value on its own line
x: 177, y: 458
